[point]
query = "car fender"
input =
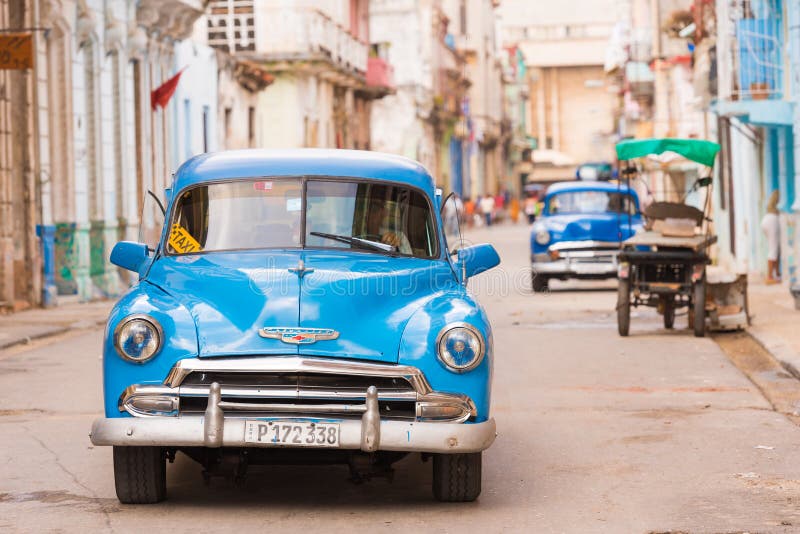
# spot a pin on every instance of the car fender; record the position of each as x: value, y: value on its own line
x: 418, y: 347
x: 180, y: 341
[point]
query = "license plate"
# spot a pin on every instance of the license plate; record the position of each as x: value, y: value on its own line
x: 291, y: 434
x: 591, y: 268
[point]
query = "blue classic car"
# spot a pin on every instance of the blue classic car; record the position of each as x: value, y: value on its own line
x: 579, y: 232
x: 300, y: 306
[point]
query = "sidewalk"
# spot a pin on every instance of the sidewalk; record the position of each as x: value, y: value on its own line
x: 25, y: 326
x: 776, y: 323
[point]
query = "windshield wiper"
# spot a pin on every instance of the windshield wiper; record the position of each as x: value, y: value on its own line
x: 358, y: 242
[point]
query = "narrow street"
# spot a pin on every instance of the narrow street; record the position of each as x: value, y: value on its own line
x: 658, y: 432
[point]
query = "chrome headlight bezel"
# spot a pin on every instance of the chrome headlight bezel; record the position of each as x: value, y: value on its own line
x: 542, y: 236
x: 151, y: 323
x: 441, y: 337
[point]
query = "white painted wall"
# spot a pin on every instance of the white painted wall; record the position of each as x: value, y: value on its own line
x: 279, y: 113
x: 198, y: 86
x: 397, y: 120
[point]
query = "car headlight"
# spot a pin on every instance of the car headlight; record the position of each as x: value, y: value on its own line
x: 460, y: 347
x: 542, y: 236
x: 138, y: 338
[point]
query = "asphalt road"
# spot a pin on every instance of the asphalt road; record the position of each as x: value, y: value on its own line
x: 655, y: 433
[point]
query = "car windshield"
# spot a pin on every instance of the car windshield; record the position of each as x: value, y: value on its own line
x: 264, y: 213
x: 590, y: 202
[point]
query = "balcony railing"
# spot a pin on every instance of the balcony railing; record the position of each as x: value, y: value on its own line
x: 757, y: 51
x: 298, y: 34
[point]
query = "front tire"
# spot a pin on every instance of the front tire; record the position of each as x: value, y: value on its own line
x: 699, y: 300
x: 140, y: 474
x: 539, y: 282
x: 457, y: 477
x: 624, y: 307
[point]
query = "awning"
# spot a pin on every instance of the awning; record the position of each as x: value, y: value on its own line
x: 701, y: 151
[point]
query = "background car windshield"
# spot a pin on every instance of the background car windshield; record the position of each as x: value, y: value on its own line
x: 267, y: 213
x: 390, y: 214
x: 590, y: 202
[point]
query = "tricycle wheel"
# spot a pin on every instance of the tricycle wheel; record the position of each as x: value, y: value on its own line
x: 539, y: 282
x: 669, y: 311
x: 457, y: 477
x: 699, y: 301
x: 140, y: 474
x: 624, y: 306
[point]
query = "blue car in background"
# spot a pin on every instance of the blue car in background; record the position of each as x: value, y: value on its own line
x: 579, y: 232
x: 300, y: 307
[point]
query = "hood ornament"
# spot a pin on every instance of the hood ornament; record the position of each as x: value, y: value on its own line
x: 301, y: 269
x: 298, y: 336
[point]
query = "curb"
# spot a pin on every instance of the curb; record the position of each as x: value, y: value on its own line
x: 81, y: 325
x: 778, y: 348
x: 27, y: 339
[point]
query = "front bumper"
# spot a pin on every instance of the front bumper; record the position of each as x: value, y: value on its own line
x: 578, y: 259
x: 405, y: 414
x: 571, y: 267
x: 391, y: 435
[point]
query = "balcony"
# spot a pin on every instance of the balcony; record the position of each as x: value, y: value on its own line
x: 751, y: 59
x: 304, y: 38
x: 380, y: 76
x: 450, y: 81
x: 170, y: 18
x: 757, y: 53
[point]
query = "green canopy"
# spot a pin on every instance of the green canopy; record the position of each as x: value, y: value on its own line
x: 702, y: 152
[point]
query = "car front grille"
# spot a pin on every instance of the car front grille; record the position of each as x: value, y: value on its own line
x: 295, y: 387
x: 265, y: 394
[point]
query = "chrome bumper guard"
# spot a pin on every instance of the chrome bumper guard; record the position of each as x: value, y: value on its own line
x: 370, y: 434
x: 167, y: 399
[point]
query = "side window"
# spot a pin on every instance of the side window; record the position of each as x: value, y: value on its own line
x: 151, y: 221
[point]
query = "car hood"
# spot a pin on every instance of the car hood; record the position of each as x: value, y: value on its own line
x: 594, y: 226
x: 231, y: 296
x: 366, y: 298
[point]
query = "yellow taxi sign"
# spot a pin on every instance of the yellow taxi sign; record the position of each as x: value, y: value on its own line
x: 182, y: 241
x: 16, y: 51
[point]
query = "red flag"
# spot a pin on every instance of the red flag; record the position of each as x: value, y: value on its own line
x: 160, y: 95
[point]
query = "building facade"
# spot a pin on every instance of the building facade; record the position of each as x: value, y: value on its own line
x: 426, y: 118
x: 571, y: 101
x: 317, y: 55
x: 726, y: 70
x: 475, y: 30
x: 757, y: 88
x: 518, y: 145
x: 20, y: 254
x: 93, y: 142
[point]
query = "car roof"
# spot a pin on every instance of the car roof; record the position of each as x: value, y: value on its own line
x: 335, y: 163
x: 577, y: 185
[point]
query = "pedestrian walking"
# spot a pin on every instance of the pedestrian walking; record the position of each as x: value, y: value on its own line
x: 469, y: 212
x: 513, y: 209
x: 487, y: 208
x: 500, y: 206
x: 530, y: 208
x: 771, y: 227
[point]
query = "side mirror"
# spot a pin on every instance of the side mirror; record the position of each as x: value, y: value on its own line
x: 477, y: 259
x: 129, y: 255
